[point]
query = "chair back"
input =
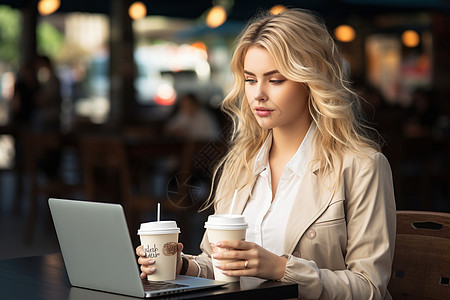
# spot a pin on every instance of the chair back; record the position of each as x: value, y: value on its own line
x: 105, y: 168
x: 421, y: 267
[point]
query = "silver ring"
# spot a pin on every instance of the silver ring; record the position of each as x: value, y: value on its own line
x: 246, y: 264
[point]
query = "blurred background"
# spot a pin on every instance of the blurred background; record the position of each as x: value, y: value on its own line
x: 117, y: 101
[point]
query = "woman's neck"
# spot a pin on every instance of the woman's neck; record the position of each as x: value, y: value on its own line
x: 286, y: 141
x: 284, y: 146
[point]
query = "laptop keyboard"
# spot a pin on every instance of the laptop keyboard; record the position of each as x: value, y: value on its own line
x: 160, y: 285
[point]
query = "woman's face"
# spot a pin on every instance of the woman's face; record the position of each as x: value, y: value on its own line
x: 275, y: 101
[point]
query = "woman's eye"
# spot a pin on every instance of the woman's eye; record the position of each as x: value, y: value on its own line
x: 277, y: 81
x: 250, y: 80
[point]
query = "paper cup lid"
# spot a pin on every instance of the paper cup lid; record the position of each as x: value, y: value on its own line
x: 161, y: 227
x: 226, y: 222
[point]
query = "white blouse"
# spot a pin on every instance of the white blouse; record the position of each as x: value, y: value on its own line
x: 267, y: 219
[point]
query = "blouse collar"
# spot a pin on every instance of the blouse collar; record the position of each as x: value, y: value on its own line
x: 297, y: 163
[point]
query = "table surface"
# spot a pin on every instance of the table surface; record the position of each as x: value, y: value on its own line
x: 45, y: 277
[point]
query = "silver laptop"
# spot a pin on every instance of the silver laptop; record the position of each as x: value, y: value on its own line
x: 98, y: 253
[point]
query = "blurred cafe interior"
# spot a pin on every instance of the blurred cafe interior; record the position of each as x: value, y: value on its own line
x: 118, y: 101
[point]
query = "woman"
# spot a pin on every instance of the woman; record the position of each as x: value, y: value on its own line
x: 314, y: 188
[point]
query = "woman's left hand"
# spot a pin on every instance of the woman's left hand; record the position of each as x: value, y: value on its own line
x: 252, y: 260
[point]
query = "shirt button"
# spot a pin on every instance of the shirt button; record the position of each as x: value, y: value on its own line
x: 296, y: 254
x: 311, y: 234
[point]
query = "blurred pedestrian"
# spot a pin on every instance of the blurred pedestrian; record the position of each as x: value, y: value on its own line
x: 48, y: 98
x: 24, y: 97
x: 192, y: 121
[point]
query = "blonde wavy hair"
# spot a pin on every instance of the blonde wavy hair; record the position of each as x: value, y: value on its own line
x: 303, y: 51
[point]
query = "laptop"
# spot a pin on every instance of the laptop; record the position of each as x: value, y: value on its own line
x: 98, y: 253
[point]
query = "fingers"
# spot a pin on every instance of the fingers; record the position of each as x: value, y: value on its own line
x: 240, y: 245
x: 147, y: 270
x: 179, y: 261
x: 237, y: 258
x: 232, y: 257
x: 179, y: 250
x: 264, y: 265
x: 230, y: 254
x: 234, y: 250
x: 140, y: 251
x: 240, y: 273
x: 235, y: 265
x: 146, y: 261
x: 147, y: 264
x: 237, y: 268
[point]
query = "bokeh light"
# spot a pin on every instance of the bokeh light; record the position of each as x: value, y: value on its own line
x: 216, y: 16
x: 345, y: 33
x: 137, y: 10
x: 410, y: 38
x: 47, y: 7
x: 277, y: 9
x: 165, y: 95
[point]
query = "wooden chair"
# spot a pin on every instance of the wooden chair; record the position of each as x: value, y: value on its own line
x: 421, y: 268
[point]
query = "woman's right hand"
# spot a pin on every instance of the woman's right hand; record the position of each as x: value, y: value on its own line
x: 148, y: 264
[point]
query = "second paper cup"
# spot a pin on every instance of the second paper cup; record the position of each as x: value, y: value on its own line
x: 224, y: 228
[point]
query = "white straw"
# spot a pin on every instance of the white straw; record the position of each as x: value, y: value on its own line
x: 158, y: 213
x: 232, y: 202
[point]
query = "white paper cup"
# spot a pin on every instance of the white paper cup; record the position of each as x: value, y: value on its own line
x: 160, y: 241
x: 224, y: 228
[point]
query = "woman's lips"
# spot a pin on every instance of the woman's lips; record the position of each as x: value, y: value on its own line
x: 262, y: 111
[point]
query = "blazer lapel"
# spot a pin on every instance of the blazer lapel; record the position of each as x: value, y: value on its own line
x: 242, y: 197
x: 311, y: 201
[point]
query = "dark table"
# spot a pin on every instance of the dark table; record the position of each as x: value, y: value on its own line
x: 45, y: 277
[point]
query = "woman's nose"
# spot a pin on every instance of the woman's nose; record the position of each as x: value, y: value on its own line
x: 259, y: 93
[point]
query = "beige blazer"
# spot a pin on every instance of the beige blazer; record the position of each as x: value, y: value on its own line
x: 340, y: 244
